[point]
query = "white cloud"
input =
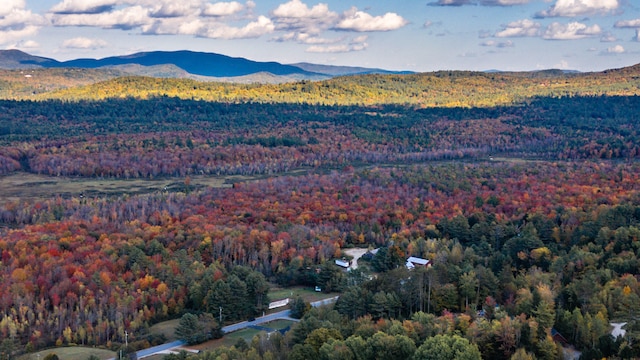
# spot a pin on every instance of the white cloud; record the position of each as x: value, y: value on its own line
x: 315, y: 40
x: 479, y: 2
x: 297, y: 16
x: 27, y: 44
x: 451, y: 2
x: 520, y: 28
x: 126, y: 18
x: 304, y: 38
x: 501, y: 44
x: 360, y: 21
x: 19, y: 18
x: 7, y: 6
x: 83, y: 6
x: 637, y: 38
x: 10, y: 36
x: 617, y: 49
x: 356, y: 44
x: 298, y: 9
x: 608, y: 37
x: 173, y: 26
x: 209, y: 28
x: 16, y: 22
x: 222, y: 8
x: 254, y: 29
x: 307, y: 24
x: 84, y: 43
x: 571, y: 31
x: 170, y: 9
x: 573, y: 8
x: 635, y: 23
x: 360, y: 39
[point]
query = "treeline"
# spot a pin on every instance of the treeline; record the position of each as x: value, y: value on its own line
x: 129, y: 138
x: 553, y: 244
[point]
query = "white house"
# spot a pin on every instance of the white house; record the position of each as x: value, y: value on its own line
x: 413, y: 261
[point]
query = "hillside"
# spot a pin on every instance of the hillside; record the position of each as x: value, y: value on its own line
x: 438, y: 89
x: 188, y: 64
x: 16, y: 59
x: 214, y: 77
x: 344, y: 70
x: 27, y: 83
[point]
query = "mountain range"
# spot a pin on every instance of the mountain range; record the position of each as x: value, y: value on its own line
x: 190, y: 64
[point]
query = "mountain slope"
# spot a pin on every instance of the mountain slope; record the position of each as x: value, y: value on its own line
x: 196, y: 63
x: 439, y: 89
x: 15, y: 59
x: 190, y: 64
x: 344, y: 70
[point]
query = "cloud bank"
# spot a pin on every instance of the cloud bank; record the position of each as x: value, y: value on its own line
x: 574, y: 8
x: 293, y: 20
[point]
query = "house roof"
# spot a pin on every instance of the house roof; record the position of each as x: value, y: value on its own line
x: 413, y: 261
x: 418, y: 261
x: 343, y: 263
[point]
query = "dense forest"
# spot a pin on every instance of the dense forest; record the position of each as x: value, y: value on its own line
x: 527, y: 237
x: 128, y: 138
x: 529, y: 212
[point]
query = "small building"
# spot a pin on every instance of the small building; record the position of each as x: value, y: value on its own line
x: 413, y: 262
x: 618, y: 330
x: 343, y: 263
x: 557, y: 337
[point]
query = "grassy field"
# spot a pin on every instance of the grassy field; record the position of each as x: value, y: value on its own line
x: 27, y: 186
x: 307, y: 293
x: 166, y: 328
x: 70, y: 353
x: 247, y: 334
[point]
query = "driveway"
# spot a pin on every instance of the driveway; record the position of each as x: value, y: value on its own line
x: 357, y: 254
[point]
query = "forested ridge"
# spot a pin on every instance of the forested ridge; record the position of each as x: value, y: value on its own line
x: 528, y: 209
x: 435, y: 89
x: 438, y: 89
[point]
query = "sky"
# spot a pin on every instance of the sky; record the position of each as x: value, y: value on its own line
x: 423, y: 36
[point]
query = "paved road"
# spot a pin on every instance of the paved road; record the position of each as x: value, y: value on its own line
x: 285, y: 314
x: 156, y: 349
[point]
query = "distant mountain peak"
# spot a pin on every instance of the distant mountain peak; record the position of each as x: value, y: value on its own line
x: 193, y: 63
x: 17, y: 59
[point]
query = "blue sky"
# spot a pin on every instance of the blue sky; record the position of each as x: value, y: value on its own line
x: 585, y: 35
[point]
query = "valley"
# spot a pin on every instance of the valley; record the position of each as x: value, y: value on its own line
x: 129, y: 204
